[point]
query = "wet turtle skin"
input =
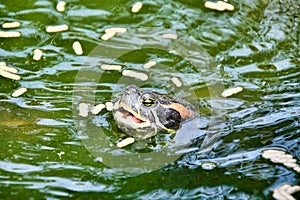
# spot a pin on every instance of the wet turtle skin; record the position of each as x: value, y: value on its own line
x: 143, y: 114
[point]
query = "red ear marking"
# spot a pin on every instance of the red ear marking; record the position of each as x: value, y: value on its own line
x: 184, y: 112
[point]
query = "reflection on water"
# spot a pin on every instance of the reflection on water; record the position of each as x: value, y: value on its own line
x: 255, y: 47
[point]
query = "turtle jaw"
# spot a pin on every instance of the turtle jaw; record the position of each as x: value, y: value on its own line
x: 130, y: 115
x: 130, y: 118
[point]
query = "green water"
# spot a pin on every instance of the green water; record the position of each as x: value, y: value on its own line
x: 43, y: 155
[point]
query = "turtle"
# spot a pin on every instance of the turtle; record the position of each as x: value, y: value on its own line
x: 143, y: 114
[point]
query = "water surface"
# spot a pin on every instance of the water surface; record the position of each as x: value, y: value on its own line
x: 256, y: 47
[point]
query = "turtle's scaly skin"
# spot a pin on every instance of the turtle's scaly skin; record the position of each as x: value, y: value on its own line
x: 143, y: 114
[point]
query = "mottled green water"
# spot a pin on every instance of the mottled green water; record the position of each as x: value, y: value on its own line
x: 42, y: 155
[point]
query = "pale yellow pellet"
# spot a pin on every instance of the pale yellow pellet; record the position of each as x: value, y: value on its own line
x: 111, y: 67
x: 281, y: 195
x: 108, y: 35
x: 9, y: 34
x: 137, y: 7
x: 176, y: 81
x: 275, y: 153
x: 135, y: 74
x: 9, y: 75
x: 115, y: 30
x: 8, y: 69
x: 11, y: 25
x: 225, y: 5
x: 97, y: 109
x: 19, y: 92
x: 58, y: 28
x: 169, y: 36
x: 125, y: 142
x: 109, y: 106
x: 208, y: 165
x: 150, y: 64
x: 282, y: 160
x: 61, y: 6
x: 231, y: 91
x: 214, y: 6
x: 290, y: 164
x: 285, y: 192
x: 83, y: 109
x: 293, y: 189
x: 37, y: 54
x: 279, y: 156
x: 285, y: 156
x: 77, y: 48
x: 297, y: 169
x: 269, y: 153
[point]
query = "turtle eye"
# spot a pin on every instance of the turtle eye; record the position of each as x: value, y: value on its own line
x: 148, y: 100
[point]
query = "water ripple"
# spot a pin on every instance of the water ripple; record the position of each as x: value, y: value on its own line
x: 256, y: 47
x: 273, y: 118
x: 18, y: 167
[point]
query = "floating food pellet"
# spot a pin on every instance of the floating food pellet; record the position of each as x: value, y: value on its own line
x: 61, y: 6
x: 293, y: 189
x: 135, y: 74
x: 125, y: 142
x: 283, y: 160
x: 9, y: 75
x: 279, y: 156
x: 208, y: 165
x: 77, y: 48
x: 37, y: 54
x: 285, y: 192
x: 137, y: 7
x: 9, y: 34
x: 297, y: 169
x: 97, y: 109
x: 55, y: 29
x: 214, y: 6
x: 108, y: 35
x: 150, y: 64
x: 219, y: 6
x: 225, y: 5
x: 291, y: 164
x: 8, y: 69
x: 269, y: 153
x: 115, y: 30
x: 111, y: 67
x: 231, y: 91
x: 109, y: 106
x: 176, y: 81
x: 19, y: 92
x: 169, y: 36
x: 84, y: 109
x: 11, y: 25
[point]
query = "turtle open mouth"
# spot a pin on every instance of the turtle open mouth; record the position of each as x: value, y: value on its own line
x: 134, y: 118
x: 131, y: 119
x: 131, y: 116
